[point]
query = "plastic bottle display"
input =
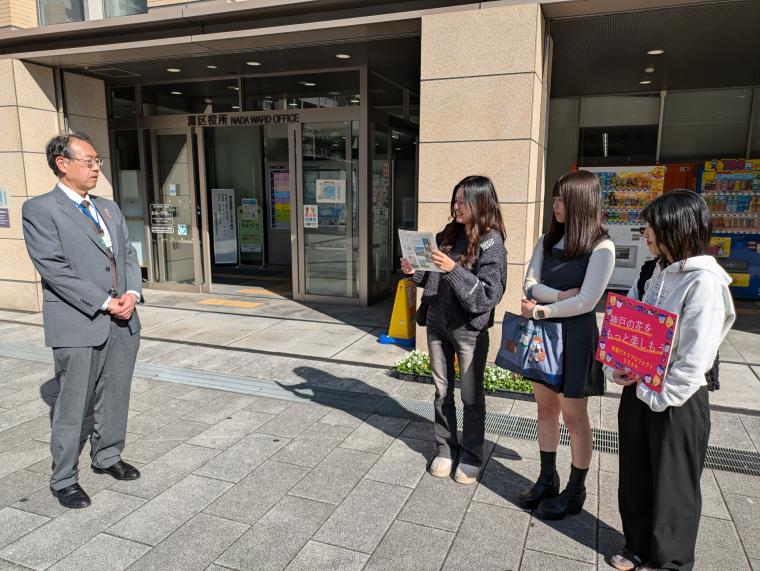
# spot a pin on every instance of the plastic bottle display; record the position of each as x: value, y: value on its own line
x: 734, y: 201
x: 624, y: 195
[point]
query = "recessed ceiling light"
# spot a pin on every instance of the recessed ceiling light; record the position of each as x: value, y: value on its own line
x: 211, y: 66
x: 645, y: 82
x: 253, y: 63
x: 648, y: 70
x: 334, y: 92
x: 173, y: 69
x: 236, y: 106
x: 309, y: 84
x: 176, y: 93
x: 233, y: 87
x: 655, y: 52
x: 343, y: 56
x: 353, y: 100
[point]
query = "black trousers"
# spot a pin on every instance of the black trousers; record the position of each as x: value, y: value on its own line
x: 662, y: 455
x: 446, y: 339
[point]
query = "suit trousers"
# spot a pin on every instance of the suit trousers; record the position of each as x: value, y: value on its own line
x: 662, y: 455
x: 93, y: 381
x: 446, y: 339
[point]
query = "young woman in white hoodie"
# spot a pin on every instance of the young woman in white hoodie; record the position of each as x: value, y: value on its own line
x: 663, y: 436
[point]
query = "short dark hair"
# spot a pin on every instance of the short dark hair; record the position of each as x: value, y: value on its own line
x: 681, y: 224
x: 60, y: 146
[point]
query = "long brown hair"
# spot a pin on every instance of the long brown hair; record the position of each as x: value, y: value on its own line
x: 582, y: 229
x: 480, y: 196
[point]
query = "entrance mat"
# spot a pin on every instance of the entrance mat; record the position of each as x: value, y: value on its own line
x: 230, y: 303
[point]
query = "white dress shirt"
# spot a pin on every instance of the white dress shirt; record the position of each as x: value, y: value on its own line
x: 77, y: 198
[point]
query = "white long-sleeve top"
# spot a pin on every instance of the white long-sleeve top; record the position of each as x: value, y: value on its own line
x: 598, y: 274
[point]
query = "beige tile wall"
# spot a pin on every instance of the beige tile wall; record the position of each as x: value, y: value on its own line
x: 483, y: 111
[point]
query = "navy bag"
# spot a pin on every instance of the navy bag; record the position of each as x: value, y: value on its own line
x: 531, y: 348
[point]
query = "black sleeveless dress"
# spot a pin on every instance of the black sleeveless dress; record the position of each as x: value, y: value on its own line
x: 583, y: 376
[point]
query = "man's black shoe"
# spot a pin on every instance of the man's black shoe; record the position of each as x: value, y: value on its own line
x: 121, y: 471
x: 72, y: 496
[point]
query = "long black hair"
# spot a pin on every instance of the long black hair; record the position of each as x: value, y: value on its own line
x: 480, y: 196
x: 582, y: 228
x: 681, y: 224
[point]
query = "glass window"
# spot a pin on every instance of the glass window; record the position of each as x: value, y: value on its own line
x: 755, y: 148
x: 191, y: 97
x: 414, y: 108
x: 124, y: 7
x: 305, y: 91
x: 127, y: 178
x: 618, y: 130
x: 386, y: 96
x: 380, y: 226
x: 123, y: 104
x: 705, y: 124
x: 60, y: 12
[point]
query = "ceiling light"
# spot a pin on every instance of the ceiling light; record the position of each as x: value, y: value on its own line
x: 655, y: 52
x: 343, y: 56
x: 334, y: 92
x: 253, y: 63
x: 173, y: 69
x: 648, y: 70
x: 176, y: 93
x: 207, y: 100
x: 233, y: 87
x: 236, y: 106
x: 293, y: 104
x: 353, y: 100
x: 645, y: 82
x: 211, y: 66
x: 309, y: 84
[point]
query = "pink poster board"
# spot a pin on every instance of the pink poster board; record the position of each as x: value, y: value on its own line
x: 637, y: 337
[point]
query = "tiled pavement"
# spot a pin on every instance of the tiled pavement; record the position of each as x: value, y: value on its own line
x: 234, y: 481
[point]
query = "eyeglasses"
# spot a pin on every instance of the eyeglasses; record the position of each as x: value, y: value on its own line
x: 90, y: 161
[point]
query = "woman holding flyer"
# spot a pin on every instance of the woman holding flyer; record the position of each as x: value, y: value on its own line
x: 568, y: 273
x: 663, y: 435
x: 458, y: 308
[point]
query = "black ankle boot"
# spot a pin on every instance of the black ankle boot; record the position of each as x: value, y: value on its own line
x: 570, y: 501
x: 547, y: 485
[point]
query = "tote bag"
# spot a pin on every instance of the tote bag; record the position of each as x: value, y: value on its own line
x: 531, y: 348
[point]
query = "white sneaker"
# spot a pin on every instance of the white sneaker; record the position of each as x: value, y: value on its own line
x: 440, y: 467
x: 466, y: 474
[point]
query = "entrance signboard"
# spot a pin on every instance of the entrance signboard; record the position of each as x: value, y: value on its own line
x: 243, y: 118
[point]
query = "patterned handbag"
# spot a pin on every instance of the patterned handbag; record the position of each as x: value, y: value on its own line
x: 531, y: 348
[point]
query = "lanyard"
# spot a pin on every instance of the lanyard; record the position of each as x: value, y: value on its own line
x: 95, y: 221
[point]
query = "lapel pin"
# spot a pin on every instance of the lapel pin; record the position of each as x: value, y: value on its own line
x: 107, y: 213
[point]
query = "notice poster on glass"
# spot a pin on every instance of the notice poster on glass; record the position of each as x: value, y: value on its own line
x: 331, y: 190
x: 279, y: 193
x: 310, y: 216
x: 417, y: 248
x: 162, y: 218
x: 225, y: 236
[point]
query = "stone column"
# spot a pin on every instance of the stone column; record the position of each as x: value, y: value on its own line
x: 28, y: 119
x: 484, y: 86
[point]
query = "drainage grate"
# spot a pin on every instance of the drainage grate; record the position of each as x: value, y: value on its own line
x: 725, y: 459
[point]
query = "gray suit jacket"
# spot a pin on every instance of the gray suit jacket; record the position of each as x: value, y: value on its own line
x: 75, y: 270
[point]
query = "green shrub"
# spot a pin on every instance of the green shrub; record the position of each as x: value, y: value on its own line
x: 494, y: 379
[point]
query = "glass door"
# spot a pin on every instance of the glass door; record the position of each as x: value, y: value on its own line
x: 380, y: 215
x: 172, y: 209
x: 327, y: 210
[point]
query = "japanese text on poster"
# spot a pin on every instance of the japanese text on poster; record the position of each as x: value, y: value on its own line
x: 310, y: 216
x: 250, y: 227
x: 637, y: 337
x: 331, y: 190
x: 225, y: 237
x: 162, y: 218
x: 417, y: 248
x: 279, y: 187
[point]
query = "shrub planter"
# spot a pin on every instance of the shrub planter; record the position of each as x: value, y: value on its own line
x: 502, y: 393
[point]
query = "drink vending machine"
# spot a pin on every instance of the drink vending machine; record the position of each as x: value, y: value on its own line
x: 731, y: 188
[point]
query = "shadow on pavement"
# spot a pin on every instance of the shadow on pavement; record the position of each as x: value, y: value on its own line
x: 497, y: 477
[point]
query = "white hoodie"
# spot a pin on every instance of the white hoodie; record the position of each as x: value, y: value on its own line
x: 697, y: 290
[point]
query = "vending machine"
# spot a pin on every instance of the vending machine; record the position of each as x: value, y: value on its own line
x: 625, y: 192
x: 731, y: 188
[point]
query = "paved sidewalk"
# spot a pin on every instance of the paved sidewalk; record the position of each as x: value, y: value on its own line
x: 235, y: 481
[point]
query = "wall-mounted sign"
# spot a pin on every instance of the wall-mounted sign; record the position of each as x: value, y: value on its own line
x: 251, y: 118
x: 310, y: 216
x: 162, y: 218
x: 331, y: 190
x: 279, y: 184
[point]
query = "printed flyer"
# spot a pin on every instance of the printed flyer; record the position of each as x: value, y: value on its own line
x: 417, y: 248
x: 637, y: 337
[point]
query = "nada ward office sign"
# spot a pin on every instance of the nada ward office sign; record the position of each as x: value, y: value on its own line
x: 227, y: 119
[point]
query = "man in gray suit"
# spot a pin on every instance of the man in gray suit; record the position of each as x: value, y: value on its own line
x: 91, y: 282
